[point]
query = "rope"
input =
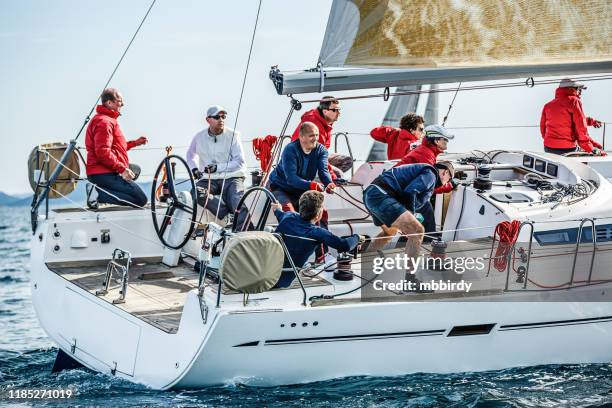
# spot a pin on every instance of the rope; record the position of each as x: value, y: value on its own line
x: 246, y: 71
x: 262, y: 149
x: 115, y: 70
x: 507, y: 233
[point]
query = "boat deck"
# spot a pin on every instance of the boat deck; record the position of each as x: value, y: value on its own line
x: 156, y: 293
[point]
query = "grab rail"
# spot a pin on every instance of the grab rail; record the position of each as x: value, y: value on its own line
x: 348, y: 145
x: 578, y: 241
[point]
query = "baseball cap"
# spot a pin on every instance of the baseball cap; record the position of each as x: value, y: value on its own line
x: 570, y: 83
x: 215, y: 110
x: 437, y: 131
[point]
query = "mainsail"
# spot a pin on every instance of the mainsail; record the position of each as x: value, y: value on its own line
x: 372, y: 44
x: 467, y: 33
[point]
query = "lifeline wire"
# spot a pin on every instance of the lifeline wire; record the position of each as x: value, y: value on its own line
x: 115, y: 70
x: 246, y: 71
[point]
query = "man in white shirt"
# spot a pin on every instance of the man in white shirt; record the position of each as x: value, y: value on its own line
x: 216, y: 151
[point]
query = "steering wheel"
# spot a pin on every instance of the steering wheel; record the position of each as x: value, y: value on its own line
x: 269, y: 197
x: 169, y: 165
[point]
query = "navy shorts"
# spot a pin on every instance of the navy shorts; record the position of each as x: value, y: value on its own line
x: 384, y: 208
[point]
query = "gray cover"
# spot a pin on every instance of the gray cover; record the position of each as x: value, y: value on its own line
x: 252, y: 262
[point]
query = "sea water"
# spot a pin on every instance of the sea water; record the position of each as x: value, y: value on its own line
x: 27, y: 355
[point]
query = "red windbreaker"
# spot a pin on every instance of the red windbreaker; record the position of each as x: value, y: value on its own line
x: 398, y: 140
x: 427, y: 153
x: 325, y: 129
x: 563, y: 122
x: 106, y: 146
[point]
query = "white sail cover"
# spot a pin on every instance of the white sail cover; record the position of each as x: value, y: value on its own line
x: 467, y: 33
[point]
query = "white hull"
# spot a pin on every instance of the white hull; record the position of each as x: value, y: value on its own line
x: 377, y: 339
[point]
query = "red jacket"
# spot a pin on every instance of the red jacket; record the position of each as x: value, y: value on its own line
x: 427, y: 153
x: 563, y: 122
x: 325, y: 129
x: 106, y: 146
x: 398, y: 140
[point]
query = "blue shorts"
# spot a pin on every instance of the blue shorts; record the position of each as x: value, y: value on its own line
x: 384, y: 208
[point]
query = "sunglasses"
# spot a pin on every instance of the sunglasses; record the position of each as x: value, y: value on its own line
x: 217, y: 117
x: 334, y: 110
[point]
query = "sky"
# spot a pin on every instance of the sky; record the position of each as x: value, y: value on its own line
x: 190, y: 54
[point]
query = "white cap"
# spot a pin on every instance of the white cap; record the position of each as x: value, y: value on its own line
x: 215, y: 110
x: 570, y: 83
x: 437, y: 131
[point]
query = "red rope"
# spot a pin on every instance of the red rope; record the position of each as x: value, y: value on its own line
x: 262, y: 148
x: 507, y: 233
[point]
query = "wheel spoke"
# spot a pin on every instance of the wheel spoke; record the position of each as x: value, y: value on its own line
x: 166, y: 220
x: 188, y: 209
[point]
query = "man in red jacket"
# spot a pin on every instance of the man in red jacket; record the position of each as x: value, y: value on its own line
x: 435, y: 142
x: 563, y: 123
x: 324, y: 116
x: 108, y: 167
x: 399, y: 141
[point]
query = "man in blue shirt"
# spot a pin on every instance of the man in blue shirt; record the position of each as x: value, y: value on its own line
x: 302, y: 236
x: 395, y: 197
x: 300, y: 163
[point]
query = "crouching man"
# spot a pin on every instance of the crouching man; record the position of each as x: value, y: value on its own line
x: 395, y: 197
x: 302, y: 236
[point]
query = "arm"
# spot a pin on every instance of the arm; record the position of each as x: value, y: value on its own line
x: 336, y: 242
x: 446, y: 188
x: 103, y: 142
x: 192, y: 154
x: 582, y: 135
x: 279, y: 214
x: 382, y: 133
x: 137, y: 142
x: 323, y: 167
x: 543, y: 123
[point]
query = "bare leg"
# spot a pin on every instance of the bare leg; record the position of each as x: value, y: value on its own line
x: 383, y: 238
x: 409, y: 225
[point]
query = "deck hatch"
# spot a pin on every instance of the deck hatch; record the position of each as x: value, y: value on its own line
x: 471, y: 330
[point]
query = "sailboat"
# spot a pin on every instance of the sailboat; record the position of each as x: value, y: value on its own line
x: 191, y: 303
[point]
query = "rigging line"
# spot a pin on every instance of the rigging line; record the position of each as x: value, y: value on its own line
x: 467, y: 88
x: 451, y: 105
x: 115, y: 70
x: 246, y: 71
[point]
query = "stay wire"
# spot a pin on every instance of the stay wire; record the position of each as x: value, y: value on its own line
x: 450, y: 107
x: 110, y: 78
x: 246, y: 71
